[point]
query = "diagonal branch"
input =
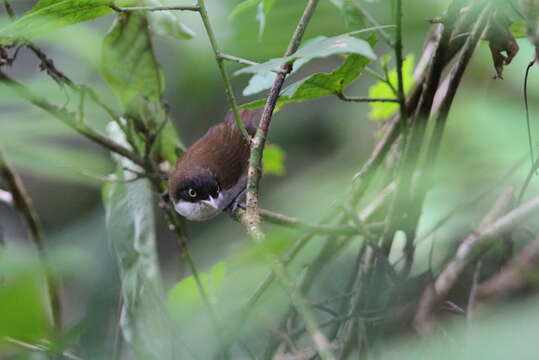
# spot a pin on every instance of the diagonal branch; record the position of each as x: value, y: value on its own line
x: 155, y: 8
x: 259, y: 140
x: 251, y: 220
x: 70, y: 120
x: 220, y: 62
x: 470, y: 248
x: 23, y: 203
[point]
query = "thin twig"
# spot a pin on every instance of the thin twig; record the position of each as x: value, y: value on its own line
x: 295, y: 223
x: 399, y: 60
x: 9, y: 9
x: 373, y: 22
x: 251, y: 220
x: 220, y: 63
x: 259, y: 140
x: 155, y: 8
x: 177, y: 225
x: 237, y: 59
x: 23, y: 203
x: 70, y: 119
x: 469, y: 249
x: 473, y: 292
x: 513, y: 276
x: 364, y: 99
x: 40, y: 347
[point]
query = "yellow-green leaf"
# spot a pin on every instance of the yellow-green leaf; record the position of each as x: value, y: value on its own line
x: 382, y: 111
x: 185, y: 295
x: 49, y: 15
x: 274, y: 158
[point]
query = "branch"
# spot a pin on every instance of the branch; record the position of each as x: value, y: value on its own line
x: 363, y: 99
x: 237, y: 59
x: 220, y: 62
x: 9, y: 9
x: 23, y: 203
x: 70, y: 120
x: 470, y: 248
x: 40, y: 347
x: 513, y: 276
x: 259, y: 140
x: 155, y: 8
x: 399, y: 59
x: 252, y: 220
x: 295, y: 223
x: 374, y: 23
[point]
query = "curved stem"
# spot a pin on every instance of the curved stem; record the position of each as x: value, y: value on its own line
x: 220, y: 62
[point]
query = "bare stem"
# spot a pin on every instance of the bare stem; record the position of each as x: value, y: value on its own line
x: 364, y: 99
x: 23, y: 203
x: 155, y: 8
x: 238, y: 60
x: 259, y: 140
x: 220, y: 62
x: 399, y: 59
x: 373, y: 22
x: 251, y: 220
x: 70, y: 120
x: 470, y: 248
x: 9, y: 9
x: 295, y: 223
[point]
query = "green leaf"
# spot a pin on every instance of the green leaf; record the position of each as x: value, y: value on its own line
x: 49, y: 15
x: 264, y: 78
x: 353, y: 17
x: 268, y: 4
x: 261, y: 18
x: 382, y: 111
x: 264, y: 8
x: 43, y: 4
x: 169, y: 145
x: 242, y: 7
x: 129, y: 66
x: 22, y: 303
x: 518, y: 29
x: 320, y: 84
x: 167, y: 23
x: 58, y: 162
x: 273, y: 158
x: 324, y: 47
x: 128, y: 63
x: 262, y: 81
x: 131, y: 228
x: 183, y: 297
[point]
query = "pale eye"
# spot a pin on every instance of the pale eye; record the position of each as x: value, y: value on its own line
x: 192, y: 193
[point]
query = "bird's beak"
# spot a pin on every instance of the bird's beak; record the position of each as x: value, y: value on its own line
x: 212, y: 202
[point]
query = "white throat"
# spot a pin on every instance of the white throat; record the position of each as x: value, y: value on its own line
x: 201, y: 210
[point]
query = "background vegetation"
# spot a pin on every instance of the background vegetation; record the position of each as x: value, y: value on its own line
x: 125, y: 281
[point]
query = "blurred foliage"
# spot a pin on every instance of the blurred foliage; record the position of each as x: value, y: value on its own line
x: 273, y: 160
x: 131, y: 227
x: 23, y: 316
x: 49, y: 15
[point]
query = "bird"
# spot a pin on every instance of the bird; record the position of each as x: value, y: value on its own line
x: 211, y: 176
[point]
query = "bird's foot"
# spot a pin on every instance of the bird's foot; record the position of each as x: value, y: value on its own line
x: 237, y: 203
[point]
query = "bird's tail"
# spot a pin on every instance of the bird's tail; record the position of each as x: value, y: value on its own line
x: 249, y: 117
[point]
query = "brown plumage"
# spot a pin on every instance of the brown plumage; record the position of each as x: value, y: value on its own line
x: 222, y: 152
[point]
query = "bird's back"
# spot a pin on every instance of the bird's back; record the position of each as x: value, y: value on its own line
x: 222, y: 150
